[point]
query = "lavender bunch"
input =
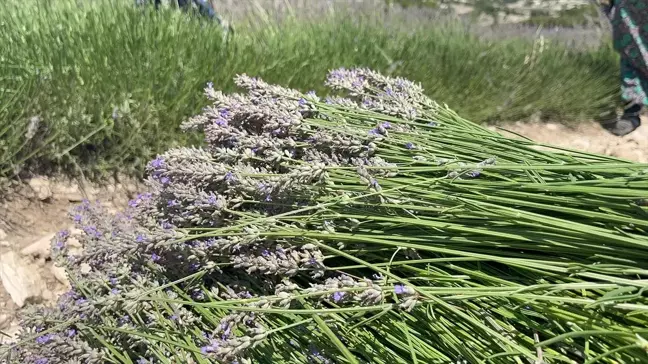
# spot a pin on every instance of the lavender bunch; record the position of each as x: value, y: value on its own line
x: 373, y: 226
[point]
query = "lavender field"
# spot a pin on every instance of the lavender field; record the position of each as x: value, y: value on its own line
x: 100, y: 85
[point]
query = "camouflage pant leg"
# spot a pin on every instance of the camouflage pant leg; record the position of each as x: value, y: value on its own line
x: 634, y: 87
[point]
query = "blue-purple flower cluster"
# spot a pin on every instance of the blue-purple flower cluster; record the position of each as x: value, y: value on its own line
x: 209, y: 214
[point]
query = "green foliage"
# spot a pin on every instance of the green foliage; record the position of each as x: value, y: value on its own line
x: 415, y: 3
x: 110, y: 82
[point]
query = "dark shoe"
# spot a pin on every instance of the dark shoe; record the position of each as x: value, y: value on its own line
x: 624, y: 126
x: 628, y: 123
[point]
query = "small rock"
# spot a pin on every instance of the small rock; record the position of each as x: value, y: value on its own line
x: 73, y: 243
x: 552, y: 126
x: 60, y: 275
x: 41, y: 187
x: 85, y: 268
x: 40, y: 248
x: 74, y: 231
x: 48, y: 295
x: 69, y: 191
x: 20, y: 279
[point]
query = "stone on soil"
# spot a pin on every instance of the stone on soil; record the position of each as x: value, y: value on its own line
x: 20, y: 279
x: 41, y: 187
x: 70, y: 192
x: 40, y: 248
x: 60, y: 275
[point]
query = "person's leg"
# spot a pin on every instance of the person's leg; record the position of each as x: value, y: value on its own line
x: 630, y: 30
x: 206, y: 9
x: 184, y: 4
x: 633, y: 93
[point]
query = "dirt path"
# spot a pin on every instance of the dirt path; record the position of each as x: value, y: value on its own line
x: 39, y: 209
x: 588, y: 137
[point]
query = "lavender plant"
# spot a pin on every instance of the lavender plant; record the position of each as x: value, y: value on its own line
x: 374, y: 226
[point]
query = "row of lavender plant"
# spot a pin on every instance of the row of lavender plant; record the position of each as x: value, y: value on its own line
x: 375, y: 226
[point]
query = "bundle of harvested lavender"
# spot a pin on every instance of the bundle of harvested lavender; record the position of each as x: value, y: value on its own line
x: 373, y: 227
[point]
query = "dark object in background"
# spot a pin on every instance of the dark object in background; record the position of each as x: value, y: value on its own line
x: 204, y: 7
x: 630, y: 32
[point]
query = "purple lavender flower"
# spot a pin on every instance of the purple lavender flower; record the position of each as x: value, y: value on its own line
x: 210, y: 85
x: 41, y: 360
x: 71, y: 332
x: 386, y: 125
x: 433, y: 124
x: 92, y: 230
x: 77, y: 218
x: 399, y: 289
x: 212, y: 199
x: 229, y: 177
x: 140, y: 238
x: 165, y: 180
x: 265, y: 252
x: 221, y: 122
x: 374, y: 183
x: 198, y: 295
x: 155, y: 257
x: 157, y: 163
x: 172, y: 203
x: 409, y: 145
x: 473, y: 174
x: 338, y: 296
x: 339, y: 73
x: 302, y: 101
x: 45, y: 338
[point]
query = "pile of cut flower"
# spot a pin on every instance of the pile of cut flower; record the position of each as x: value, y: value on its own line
x: 376, y: 226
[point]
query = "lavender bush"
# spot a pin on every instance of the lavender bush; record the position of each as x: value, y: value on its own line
x: 375, y: 226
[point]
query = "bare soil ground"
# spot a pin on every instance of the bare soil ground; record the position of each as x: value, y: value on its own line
x: 587, y: 137
x: 36, y: 210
